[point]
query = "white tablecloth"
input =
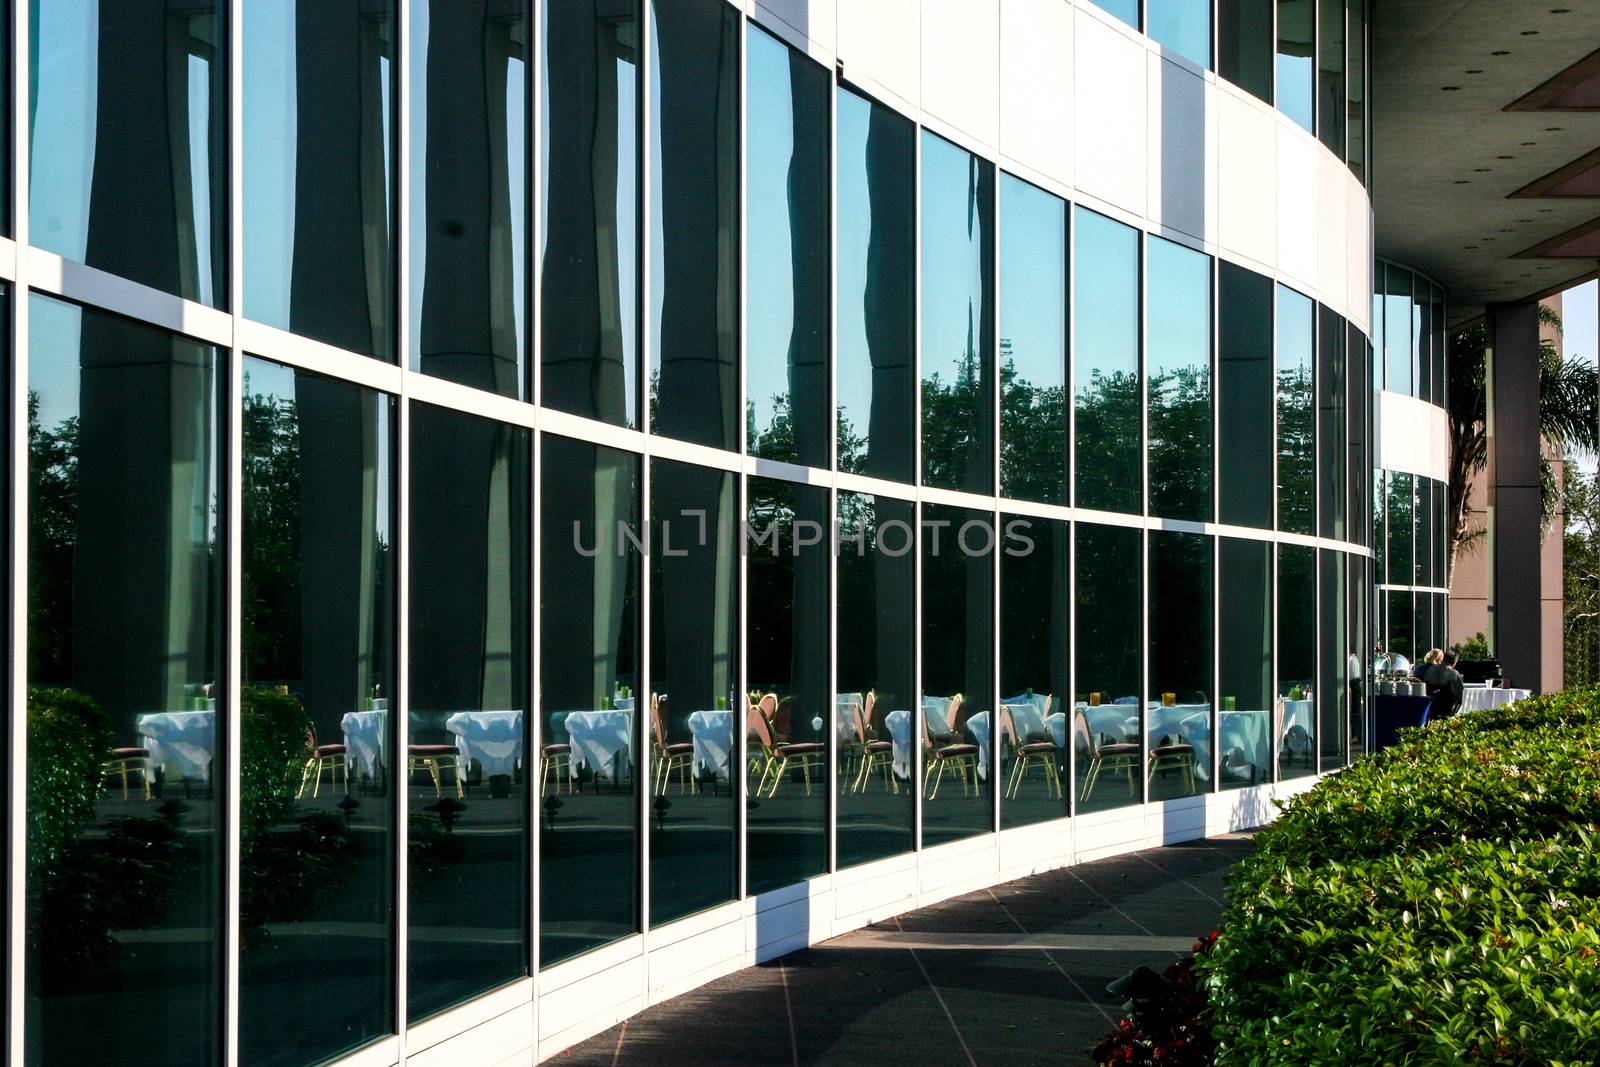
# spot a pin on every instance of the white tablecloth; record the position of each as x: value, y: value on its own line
x: 366, y: 739
x: 1247, y: 731
x: 181, y: 742
x: 493, y: 738
x: 978, y: 726
x: 899, y: 724
x: 1299, y: 713
x: 1183, y: 723
x: 601, y: 741
x: 712, y: 734
x: 1119, y: 722
x: 1481, y: 698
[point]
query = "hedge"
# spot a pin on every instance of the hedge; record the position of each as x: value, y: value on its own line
x: 1436, y: 903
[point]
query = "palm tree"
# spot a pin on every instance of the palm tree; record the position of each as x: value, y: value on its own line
x: 1567, y: 419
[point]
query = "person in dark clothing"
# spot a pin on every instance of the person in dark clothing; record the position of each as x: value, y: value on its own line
x: 1443, y: 683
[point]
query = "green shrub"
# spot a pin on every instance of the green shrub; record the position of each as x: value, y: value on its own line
x: 1436, y: 903
x: 69, y: 740
x: 274, y: 728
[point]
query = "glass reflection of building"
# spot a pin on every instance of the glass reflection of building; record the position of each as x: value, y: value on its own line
x: 678, y: 496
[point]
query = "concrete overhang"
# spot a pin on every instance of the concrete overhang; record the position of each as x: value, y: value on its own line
x: 1486, y: 144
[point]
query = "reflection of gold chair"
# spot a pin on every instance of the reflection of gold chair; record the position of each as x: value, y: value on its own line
x: 1027, y: 754
x: 875, y: 755
x: 558, y: 758
x: 1178, y: 756
x: 330, y: 758
x: 677, y: 756
x: 433, y: 759
x: 1121, y: 756
x: 960, y: 755
x: 126, y: 761
x: 776, y: 757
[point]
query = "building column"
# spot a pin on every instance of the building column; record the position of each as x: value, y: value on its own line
x: 1513, y: 438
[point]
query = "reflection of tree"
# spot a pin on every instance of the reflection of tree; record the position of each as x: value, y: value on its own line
x: 271, y: 602
x: 52, y: 534
x: 955, y: 450
x: 1297, y: 459
x: 1108, y: 440
x: 1180, y: 443
x: 1033, y: 437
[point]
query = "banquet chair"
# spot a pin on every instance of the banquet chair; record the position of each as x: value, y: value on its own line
x: 1028, y: 751
x: 331, y: 758
x: 776, y: 756
x: 433, y: 759
x: 555, y: 757
x: 1118, y: 757
x: 677, y: 756
x: 962, y: 756
x: 126, y: 761
x: 1178, y: 756
x: 876, y: 755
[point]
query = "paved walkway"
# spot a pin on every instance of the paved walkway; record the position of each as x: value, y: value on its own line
x: 1012, y: 975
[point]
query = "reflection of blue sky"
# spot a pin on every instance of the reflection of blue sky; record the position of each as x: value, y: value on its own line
x: 55, y: 329
x: 1295, y: 333
x: 1033, y: 280
x: 1179, y: 314
x: 269, y: 158
x: 952, y: 259
x: 1580, y: 337
x: 62, y: 152
x: 1106, y: 326
x: 769, y: 267
x: 1184, y: 26
x: 853, y: 361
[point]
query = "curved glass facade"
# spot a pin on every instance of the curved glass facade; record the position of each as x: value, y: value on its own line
x: 667, y: 483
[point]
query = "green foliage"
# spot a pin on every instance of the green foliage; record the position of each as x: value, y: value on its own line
x: 69, y: 739
x: 273, y: 735
x: 1474, y: 647
x: 1436, y: 903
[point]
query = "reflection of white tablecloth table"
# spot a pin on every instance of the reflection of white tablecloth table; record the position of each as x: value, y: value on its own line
x: 601, y: 741
x: 978, y: 726
x: 1248, y: 732
x: 712, y: 734
x: 366, y: 739
x: 1119, y: 722
x: 493, y: 738
x: 1299, y: 713
x: 1482, y: 698
x: 1182, y: 724
x: 181, y: 742
x: 899, y: 724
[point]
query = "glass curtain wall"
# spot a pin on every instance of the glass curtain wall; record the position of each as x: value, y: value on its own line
x: 1182, y: 26
x: 957, y: 318
x: 1033, y: 343
x: 1178, y: 369
x: 466, y: 772
x: 1297, y: 414
x: 1246, y: 384
x: 876, y: 296
x: 1332, y: 368
x: 1331, y: 60
x: 1245, y: 645
x: 124, y: 674
x: 1295, y: 714
x: 788, y: 192
x: 317, y: 849
x: 1337, y: 650
x: 468, y: 210
x: 1181, y: 679
x: 591, y: 740
x: 1297, y: 61
x: 1245, y: 46
x: 1035, y: 668
x: 1108, y: 581
x: 1109, y: 445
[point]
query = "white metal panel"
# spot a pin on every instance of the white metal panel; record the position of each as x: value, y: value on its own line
x: 880, y: 47
x: 961, y: 65
x: 1247, y: 178
x: 1413, y: 436
x: 1109, y: 96
x: 1297, y: 206
x: 1333, y: 246
x: 1181, y: 157
x: 1358, y: 265
x: 1036, y: 85
x: 814, y: 20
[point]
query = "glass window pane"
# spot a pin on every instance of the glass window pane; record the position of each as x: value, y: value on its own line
x: 124, y: 652
x: 1359, y: 591
x: 876, y: 601
x: 589, y: 639
x: 1380, y: 526
x: 876, y: 325
x: 318, y: 178
x: 1358, y: 400
x: 1183, y: 26
x: 1244, y: 641
x: 1400, y: 636
x: 1330, y: 75
x: 1397, y: 330
x: 694, y: 221
x: 787, y: 225
x: 1297, y: 460
x: 1356, y: 83
x: 317, y: 857
x: 957, y: 672
x: 786, y: 671
x: 1437, y: 343
x: 1106, y: 365
x: 1245, y: 396
x: 1294, y: 717
x: 1178, y: 719
x: 1330, y: 423
x: 1108, y: 594
x: 1178, y: 365
x: 694, y: 668
x: 1033, y: 343
x: 468, y: 206
x: 589, y: 167
x: 1035, y: 668
x: 957, y: 318
x: 468, y: 669
x: 128, y: 172
x: 1126, y: 10
x: 1297, y: 66
x: 1333, y: 682
x: 1244, y: 45
x: 1401, y: 529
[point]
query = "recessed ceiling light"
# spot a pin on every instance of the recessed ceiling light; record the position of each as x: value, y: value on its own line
x: 1530, y: 33
x: 1505, y: 157
x: 1450, y: 88
x: 1528, y: 144
x: 1546, y: 210
x: 1462, y: 181
x: 1560, y: 10
x: 1500, y: 53
x: 1524, y: 220
x: 1474, y: 72
x: 1480, y: 170
x: 1552, y: 129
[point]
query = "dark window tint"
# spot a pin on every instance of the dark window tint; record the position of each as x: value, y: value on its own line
x: 876, y: 288
x: 1356, y: 92
x: 1033, y: 343
x: 1401, y: 529
x: 787, y: 226
x: 785, y: 716
x: 589, y: 169
x: 1297, y: 464
x: 1035, y: 663
x: 694, y: 221
x: 1108, y: 712
x: 876, y: 603
x: 1106, y: 364
x: 1178, y: 721
x: 957, y: 318
x: 468, y: 711
x: 591, y: 763
x: 1294, y: 715
x: 1244, y: 45
x: 1178, y: 372
x: 318, y: 730
x: 124, y: 661
x: 1333, y: 686
x: 128, y: 153
x: 1244, y: 644
x: 1297, y: 61
x: 318, y: 170
x: 1331, y: 109
x: 957, y: 714
x: 694, y: 709
x: 1245, y: 391
x: 1358, y: 404
x: 1331, y: 391
x: 468, y: 192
